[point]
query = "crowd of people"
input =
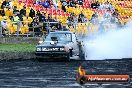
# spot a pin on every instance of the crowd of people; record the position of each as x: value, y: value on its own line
x: 110, y: 14
x: 38, y: 18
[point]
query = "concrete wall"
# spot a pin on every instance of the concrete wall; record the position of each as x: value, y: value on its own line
x: 15, y: 40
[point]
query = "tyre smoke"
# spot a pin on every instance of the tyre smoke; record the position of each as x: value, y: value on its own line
x: 113, y: 44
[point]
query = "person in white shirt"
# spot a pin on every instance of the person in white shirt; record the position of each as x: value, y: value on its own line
x: 10, y: 4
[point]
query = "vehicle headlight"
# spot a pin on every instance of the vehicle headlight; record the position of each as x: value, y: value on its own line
x: 38, y: 49
x: 62, y: 49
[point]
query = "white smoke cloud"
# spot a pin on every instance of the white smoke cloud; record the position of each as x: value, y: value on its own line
x: 115, y: 44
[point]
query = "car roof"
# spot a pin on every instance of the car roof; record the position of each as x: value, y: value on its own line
x: 61, y: 32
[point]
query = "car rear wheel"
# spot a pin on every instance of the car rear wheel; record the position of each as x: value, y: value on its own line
x: 82, y: 55
x: 68, y: 57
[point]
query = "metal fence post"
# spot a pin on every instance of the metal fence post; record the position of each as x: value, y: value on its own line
x: 33, y: 31
x: 18, y: 28
x: 0, y: 29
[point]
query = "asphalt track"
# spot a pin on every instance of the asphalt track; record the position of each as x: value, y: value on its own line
x: 58, y: 74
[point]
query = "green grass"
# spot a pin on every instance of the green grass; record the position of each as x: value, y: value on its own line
x: 23, y: 47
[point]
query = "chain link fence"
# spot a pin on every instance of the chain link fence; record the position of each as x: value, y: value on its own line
x: 23, y: 28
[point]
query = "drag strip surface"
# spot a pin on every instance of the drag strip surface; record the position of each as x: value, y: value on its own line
x: 34, y: 74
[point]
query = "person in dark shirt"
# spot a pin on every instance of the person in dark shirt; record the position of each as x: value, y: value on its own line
x: 39, y: 15
x: 80, y: 2
x: 72, y: 3
x: 59, y: 26
x: 2, y: 12
x: 20, y: 16
x: 81, y: 15
x: 15, y: 10
x: 79, y: 19
x: 95, y: 5
x: 49, y: 19
x: 4, y: 4
x: 115, y: 13
x: 64, y: 3
x: 95, y: 15
x: 23, y: 11
x: 35, y: 27
x: 32, y: 13
x: 43, y: 17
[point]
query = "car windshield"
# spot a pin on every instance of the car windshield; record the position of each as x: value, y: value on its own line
x: 60, y: 37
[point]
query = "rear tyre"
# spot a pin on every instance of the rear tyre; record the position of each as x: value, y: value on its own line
x: 83, y: 56
x: 68, y: 57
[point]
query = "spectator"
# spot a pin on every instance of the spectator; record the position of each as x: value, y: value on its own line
x: 4, y: 27
x: 35, y: 27
x: 38, y: 14
x: 80, y: 2
x: 2, y: 12
x: 15, y: 11
x: 55, y: 4
x: 85, y: 20
x: 32, y: 13
x: 46, y: 4
x: 37, y: 17
x: 49, y: 1
x: 115, y: 13
x: 70, y: 20
x: 54, y: 28
x: 23, y: 11
x: 79, y: 19
x: 106, y: 5
x: 59, y: 26
x: 95, y: 5
x: 49, y: 19
x: 75, y: 20
x: 107, y: 14
x: 94, y: 18
x: 4, y: 4
x: 43, y: 17
x: 64, y: 3
x: 95, y: 15
x: 8, y: 12
x: 11, y: 18
x: 20, y: 17
x: 81, y: 15
x: 72, y: 3
x: 10, y: 4
x: 38, y: 1
x: 16, y: 19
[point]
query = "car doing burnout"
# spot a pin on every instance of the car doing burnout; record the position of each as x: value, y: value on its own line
x: 59, y: 44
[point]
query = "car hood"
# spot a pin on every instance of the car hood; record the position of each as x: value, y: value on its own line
x: 53, y: 44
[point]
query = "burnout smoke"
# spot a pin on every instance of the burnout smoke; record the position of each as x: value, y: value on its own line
x: 113, y: 44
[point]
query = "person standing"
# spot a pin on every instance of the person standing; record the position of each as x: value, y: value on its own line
x: 23, y: 11
x: 32, y: 13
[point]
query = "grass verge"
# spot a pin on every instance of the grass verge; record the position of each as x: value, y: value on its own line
x: 21, y: 47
